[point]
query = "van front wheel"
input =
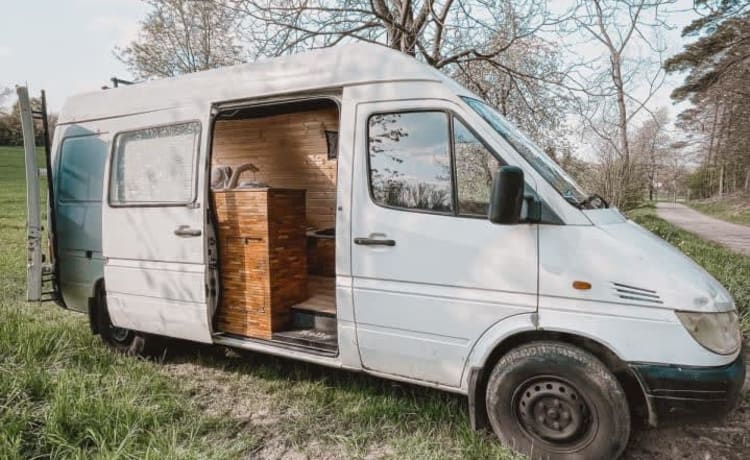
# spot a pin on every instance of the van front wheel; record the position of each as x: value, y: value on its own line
x: 553, y: 400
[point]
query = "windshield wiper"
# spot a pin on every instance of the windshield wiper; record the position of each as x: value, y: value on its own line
x: 590, y: 199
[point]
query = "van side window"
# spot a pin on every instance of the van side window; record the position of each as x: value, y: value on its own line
x: 81, y: 168
x: 155, y: 165
x: 409, y: 160
x: 475, y: 168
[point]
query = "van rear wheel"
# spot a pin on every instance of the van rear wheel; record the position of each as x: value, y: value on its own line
x: 551, y: 400
x: 120, y: 339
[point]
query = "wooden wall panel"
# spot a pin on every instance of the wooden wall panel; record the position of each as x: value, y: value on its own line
x: 291, y: 152
x: 321, y: 256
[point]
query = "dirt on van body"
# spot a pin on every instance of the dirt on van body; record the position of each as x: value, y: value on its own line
x: 259, y: 393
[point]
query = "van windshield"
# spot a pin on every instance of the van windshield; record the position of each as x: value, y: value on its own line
x: 543, y: 164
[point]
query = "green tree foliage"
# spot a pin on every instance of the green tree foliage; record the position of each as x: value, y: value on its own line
x: 10, y: 125
x: 722, y: 49
x: 718, y: 69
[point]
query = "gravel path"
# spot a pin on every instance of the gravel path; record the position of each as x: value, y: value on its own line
x: 735, y: 237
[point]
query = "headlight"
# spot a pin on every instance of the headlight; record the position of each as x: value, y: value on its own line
x: 718, y: 332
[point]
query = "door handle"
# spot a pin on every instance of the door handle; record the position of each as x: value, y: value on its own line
x: 185, y: 231
x: 374, y: 242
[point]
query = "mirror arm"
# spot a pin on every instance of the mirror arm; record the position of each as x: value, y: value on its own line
x: 533, y: 209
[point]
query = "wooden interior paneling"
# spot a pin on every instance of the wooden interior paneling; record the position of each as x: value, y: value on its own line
x: 321, y: 256
x: 291, y: 152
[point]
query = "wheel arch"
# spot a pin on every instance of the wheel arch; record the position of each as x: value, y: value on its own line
x: 478, y: 373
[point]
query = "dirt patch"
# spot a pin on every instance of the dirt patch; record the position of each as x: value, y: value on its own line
x: 219, y: 382
x: 726, y: 439
x: 722, y: 439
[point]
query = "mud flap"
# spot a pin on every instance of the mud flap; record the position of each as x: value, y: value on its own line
x: 477, y: 401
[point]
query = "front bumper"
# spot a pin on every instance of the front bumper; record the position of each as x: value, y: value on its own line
x: 679, y: 394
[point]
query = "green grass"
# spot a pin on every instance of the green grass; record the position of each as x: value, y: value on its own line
x: 732, y: 208
x: 729, y: 268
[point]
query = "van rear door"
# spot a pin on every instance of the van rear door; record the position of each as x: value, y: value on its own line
x: 153, y: 239
x: 36, y: 270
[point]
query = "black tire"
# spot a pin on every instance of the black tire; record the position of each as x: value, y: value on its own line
x: 551, y: 400
x: 123, y: 340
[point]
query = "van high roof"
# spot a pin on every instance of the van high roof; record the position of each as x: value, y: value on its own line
x: 343, y: 65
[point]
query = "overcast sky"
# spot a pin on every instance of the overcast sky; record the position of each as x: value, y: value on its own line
x: 66, y: 47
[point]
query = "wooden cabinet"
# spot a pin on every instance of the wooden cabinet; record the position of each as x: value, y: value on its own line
x: 262, y: 256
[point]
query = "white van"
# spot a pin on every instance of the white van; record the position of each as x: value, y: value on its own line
x: 355, y: 208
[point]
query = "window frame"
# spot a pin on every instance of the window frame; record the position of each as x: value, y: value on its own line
x: 452, y: 115
x: 369, y: 164
x: 156, y: 204
x: 455, y: 170
x: 60, y: 163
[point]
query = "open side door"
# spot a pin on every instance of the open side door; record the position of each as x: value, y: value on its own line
x: 37, y: 272
x: 153, y: 219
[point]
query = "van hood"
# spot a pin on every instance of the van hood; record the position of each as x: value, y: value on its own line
x: 634, y: 266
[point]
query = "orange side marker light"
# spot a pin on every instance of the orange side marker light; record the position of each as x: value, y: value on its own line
x: 581, y: 285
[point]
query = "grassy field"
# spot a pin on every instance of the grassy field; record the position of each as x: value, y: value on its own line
x: 64, y: 395
x: 733, y: 208
x: 729, y: 268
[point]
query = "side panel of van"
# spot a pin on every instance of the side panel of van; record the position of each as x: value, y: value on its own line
x: 79, y: 172
x: 428, y: 281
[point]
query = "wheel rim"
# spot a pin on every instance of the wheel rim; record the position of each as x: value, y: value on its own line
x: 119, y: 335
x: 552, y: 410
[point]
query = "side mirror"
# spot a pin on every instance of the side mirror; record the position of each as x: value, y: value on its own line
x: 506, y: 199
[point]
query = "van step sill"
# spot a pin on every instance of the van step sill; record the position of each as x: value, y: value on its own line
x: 313, y: 338
x: 233, y: 340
